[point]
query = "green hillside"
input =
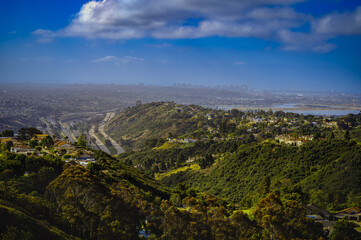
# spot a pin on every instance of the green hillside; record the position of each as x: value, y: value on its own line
x: 45, y: 198
x: 329, y: 167
x: 154, y: 120
x: 192, y: 186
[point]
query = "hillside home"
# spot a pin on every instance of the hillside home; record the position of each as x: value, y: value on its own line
x: 5, y: 139
x: 294, y: 140
x: 26, y: 150
x: 40, y: 137
x: 63, y: 144
x: 315, y: 210
x: 329, y: 124
x: 353, y: 213
x: 86, y: 157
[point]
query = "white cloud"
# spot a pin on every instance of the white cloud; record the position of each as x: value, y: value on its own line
x: 104, y: 59
x: 296, y: 41
x: 250, y: 28
x: 275, y: 13
x: 110, y: 58
x: 169, y: 19
x: 127, y: 19
x: 45, y: 36
x: 239, y: 63
x: 348, y: 23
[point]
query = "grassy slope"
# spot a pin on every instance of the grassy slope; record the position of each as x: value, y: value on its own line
x: 133, y: 125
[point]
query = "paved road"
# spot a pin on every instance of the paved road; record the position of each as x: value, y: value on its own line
x: 104, y: 148
x: 67, y: 132
x: 101, y: 130
x: 97, y: 141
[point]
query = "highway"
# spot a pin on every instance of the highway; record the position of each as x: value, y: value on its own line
x: 104, y: 148
x: 97, y: 141
x: 101, y: 130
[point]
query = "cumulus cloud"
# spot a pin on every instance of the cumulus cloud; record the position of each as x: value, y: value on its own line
x: 276, y: 13
x: 296, y: 41
x: 348, y: 23
x: 188, y: 19
x: 127, y: 19
x: 125, y: 59
x: 222, y: 28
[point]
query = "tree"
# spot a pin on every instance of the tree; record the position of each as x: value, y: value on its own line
x: 155, y: 169
x: 285, y: 221
x: 33, y: 143
x: 163, y: 166
x: 250, y: 138
x: 265, y: 185
x: 62, y: 152
x: 347, y: 135
x: 7, y: 133
x: 234, y: 113
x: 28, y: 133
x: 81, y: 141
x: 6, y: 146
x: 47, y: 142
x: 206, y: 161
x: 176, y: 200
x: 108, y: 142
x: 344, y: 230
x: 180, y: 159
x: 13, y: 233
x: 317, y: 136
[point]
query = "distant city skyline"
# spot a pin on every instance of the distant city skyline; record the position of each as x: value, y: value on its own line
x: 264, y: 44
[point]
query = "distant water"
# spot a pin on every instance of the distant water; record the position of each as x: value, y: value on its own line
x: 326, y: 112
x: 285, y: 105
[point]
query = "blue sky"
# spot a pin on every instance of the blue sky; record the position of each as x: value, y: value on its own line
x: 265, y: 44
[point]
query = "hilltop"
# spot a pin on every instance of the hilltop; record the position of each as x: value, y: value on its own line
x: 153, y: 120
